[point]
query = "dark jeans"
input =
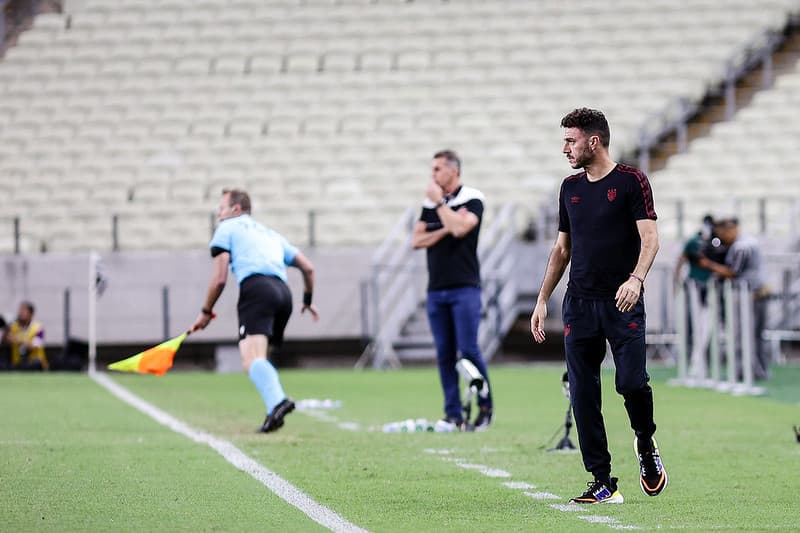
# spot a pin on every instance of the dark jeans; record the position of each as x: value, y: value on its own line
x: 588, y: 324
x: 454, y: 316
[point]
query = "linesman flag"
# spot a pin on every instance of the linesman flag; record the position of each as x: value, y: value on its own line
x: 156, y: 360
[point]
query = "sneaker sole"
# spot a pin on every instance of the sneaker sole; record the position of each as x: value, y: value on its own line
x: 663, y: 486
x: 615, y: 498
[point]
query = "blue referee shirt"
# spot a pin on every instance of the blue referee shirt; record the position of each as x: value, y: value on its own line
x: 254, y: 248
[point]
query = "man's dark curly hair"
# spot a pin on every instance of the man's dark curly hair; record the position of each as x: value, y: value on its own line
x: 590, y: 122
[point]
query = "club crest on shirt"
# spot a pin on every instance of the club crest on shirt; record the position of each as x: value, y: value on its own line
x: 611, y: 195
x: 575, y: 199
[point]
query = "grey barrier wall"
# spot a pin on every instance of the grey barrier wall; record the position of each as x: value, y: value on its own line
x: 131, y: 309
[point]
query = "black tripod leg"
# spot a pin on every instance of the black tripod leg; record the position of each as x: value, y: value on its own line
x: 565, y: 443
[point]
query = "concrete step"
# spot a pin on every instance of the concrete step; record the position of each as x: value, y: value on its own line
x: 417, y: 327
x: 713, y: 109
x: 417, y: 354
x: 413, y: 341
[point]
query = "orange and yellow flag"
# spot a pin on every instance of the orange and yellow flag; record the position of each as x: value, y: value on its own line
x: 156, y: 360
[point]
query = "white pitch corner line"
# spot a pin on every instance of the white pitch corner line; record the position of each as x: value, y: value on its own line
x: 282, y: 488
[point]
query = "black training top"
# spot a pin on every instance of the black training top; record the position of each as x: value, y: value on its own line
x: 453, y: 262
x: 600, y: 218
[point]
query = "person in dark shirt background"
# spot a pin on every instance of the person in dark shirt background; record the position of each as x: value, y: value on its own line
x: 607, y: 231
x: 448, y: 229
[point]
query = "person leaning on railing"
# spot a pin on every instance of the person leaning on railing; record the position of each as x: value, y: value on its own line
x: 743, y: 263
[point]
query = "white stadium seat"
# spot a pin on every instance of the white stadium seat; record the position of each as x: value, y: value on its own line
x: 325, y: 103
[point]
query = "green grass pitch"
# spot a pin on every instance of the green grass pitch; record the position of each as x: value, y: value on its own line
x: 74, y: 458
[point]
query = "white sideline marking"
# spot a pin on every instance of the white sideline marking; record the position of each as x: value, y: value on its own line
x: 518, y: 485
x: 567, y: 507
x: 525, y: 487
x: 447, y: 455
x: 438, y: 452
x: 485, y: 470
x: 279, y: 486
x: 320, y: 409
x: 542, y: 495
x: 593, y: 519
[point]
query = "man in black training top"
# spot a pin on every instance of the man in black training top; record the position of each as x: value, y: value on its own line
x: 448, y: 228
x: 607, y: 228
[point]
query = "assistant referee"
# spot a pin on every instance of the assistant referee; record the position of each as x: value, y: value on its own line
x: 258, y: 257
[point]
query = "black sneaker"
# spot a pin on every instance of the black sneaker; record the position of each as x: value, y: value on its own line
x: 484, y: 419
x: 274, y: 420
x: 653, y: 476
x: 600, y: 492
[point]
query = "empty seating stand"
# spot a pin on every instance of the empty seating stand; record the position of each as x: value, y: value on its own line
x: 145, y: 109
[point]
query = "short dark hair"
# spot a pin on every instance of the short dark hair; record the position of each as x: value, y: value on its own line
x: 29, y: 306
x: 238, y: 197
x: 590, y: 122
x: 451, y: 157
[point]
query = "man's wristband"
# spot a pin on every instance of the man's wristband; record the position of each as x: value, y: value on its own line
x: 307, y: 298
x: 634, y: 276
x: 207, y: 312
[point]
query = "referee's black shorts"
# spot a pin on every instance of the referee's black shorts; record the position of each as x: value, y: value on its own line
x: 265, y: 304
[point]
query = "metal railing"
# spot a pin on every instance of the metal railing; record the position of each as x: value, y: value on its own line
x: 23, y: 240
x: 388, y: 296
x: 759, y: 206
x: 674, y: 118
x: 395, y: 290
x: 499, y: 287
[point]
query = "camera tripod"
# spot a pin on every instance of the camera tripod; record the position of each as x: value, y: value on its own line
x: 565, y: 443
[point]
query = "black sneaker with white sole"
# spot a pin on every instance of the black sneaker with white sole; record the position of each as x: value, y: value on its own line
x: 652, y: 475
x: 600, y: 492
x: 274, y: 420
x: 484, y: 419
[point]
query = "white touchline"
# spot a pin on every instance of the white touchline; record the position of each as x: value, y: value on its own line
x: 447, y: 455
x: 567, y: 507
x: 595, y: 519
x: 282, y: 488
x: 518, y: 485
x: 319, y: 409
x: 542, y: 495
x: 485, y: 470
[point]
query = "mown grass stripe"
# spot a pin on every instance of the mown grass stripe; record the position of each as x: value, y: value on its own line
x: 279, y: 486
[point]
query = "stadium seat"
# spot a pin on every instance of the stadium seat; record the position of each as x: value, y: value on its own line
x: 224, y: 92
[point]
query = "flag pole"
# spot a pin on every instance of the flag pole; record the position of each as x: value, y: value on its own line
x: 92, y: 311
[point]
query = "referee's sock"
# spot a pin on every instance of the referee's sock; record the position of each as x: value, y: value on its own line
x: 265, y: 378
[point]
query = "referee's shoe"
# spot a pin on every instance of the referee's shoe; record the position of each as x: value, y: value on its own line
x: 274, y: 419
x: 653, y: 476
